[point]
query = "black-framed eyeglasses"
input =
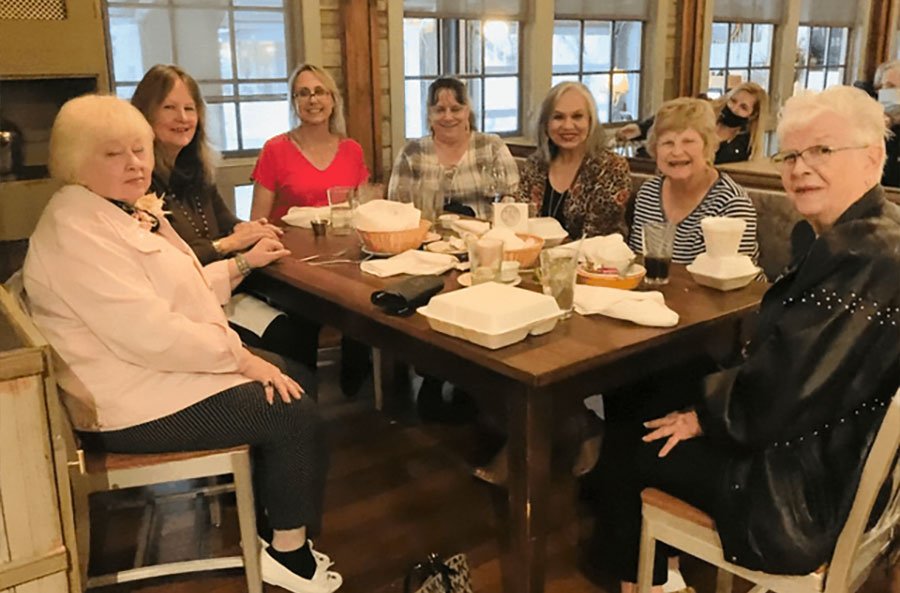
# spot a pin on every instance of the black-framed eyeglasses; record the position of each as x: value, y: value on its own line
x: 305, y: 94
x: 813, y: 156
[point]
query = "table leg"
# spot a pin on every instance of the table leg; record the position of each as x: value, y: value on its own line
x: 529, y: 491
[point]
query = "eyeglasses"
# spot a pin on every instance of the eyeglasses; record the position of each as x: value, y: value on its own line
x: 814, y: 156
x: 305, y: 94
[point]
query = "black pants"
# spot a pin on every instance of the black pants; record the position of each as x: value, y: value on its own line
x: 289, y: 336
x: 693, y: 471
x: 288, y: 442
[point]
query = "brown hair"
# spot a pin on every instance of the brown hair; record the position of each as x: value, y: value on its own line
x: 460, y: 93
x: 151, y: 92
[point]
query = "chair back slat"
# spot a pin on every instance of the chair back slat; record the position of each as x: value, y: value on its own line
x: 883, y: 462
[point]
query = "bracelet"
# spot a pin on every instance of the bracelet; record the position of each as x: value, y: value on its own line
x: 242, y: 266
x: 217, y: 245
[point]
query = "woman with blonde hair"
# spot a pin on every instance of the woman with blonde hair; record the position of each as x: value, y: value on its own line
x: 741, y: 117
x: 571, y: 176
x: 147, y: 361
x: 684, y: 140
x: 298, y: 167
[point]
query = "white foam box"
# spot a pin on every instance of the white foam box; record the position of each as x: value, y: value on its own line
x: 549, y: 229
x: 492, y: 315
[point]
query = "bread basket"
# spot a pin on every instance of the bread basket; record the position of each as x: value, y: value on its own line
x: 526, y: 256
x: 394, y: 242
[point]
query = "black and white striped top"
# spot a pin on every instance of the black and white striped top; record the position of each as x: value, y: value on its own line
x: 725, y: 198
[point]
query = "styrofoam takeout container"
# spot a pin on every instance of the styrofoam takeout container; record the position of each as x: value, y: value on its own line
x: 492, y: 315
x: 549, y: 229
x: 724, y: 268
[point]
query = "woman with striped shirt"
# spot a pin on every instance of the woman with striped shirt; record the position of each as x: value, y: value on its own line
x: 689, y: 188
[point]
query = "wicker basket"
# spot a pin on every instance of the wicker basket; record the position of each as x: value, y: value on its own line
x: 393, y: 242
x: 527, y: 255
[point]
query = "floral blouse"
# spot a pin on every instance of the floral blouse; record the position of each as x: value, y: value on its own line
x: 597, y: 197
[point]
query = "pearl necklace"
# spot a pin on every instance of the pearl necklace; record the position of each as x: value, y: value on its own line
x: 190, y: 215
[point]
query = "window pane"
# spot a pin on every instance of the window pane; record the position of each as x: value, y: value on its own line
x: 818, y: 40
x: 816, y: 80
x: 626, y: 96
x: 837, y: 46
x: 566, y: 46
x: 476, y: 96
x: 264, y: 88
x: 416, y: 115
x: 420, y: 47
x: 719, y: 46
x: 202, y: 43
x: 736, y: 77
x: 501, y: 104
x: 716, y: 85
x: 597, y: 46
x: 273, y: 3
x: 243, y: 200
x: 739, y: 51
x: 216, y: 92
x: 501, y: 47
x: 760, y: 77
x: 799, y: 79
x: 140, y: 37
x: 221, y: 125
x: 628, y: 45
x: 125, y: 92
x: 260, y: 120
x: 563, y: 77
x: 834, y: 77
x: 472, y: 43
x: 762, y: 45
x: 802, y: 47
x: 599, y: 85
x: 260, y: 40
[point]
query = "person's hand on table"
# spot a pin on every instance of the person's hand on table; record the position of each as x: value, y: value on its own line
x: 271, y: 377
x: 677, y: 427
x: 247, y: 234
x: 265, y: 252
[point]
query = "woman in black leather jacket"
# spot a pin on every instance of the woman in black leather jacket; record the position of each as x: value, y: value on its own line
x: 774, y: 448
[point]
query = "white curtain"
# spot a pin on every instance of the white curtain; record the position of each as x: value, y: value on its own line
x: 603, y: 9
x: 757, y: 11
x: 835, y: 13
x: 467, y: 9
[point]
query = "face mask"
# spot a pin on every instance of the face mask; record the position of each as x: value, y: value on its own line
x: 889, y: 96
x: 730, y: 119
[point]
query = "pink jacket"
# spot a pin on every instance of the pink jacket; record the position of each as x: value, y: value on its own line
x: 136, y: 326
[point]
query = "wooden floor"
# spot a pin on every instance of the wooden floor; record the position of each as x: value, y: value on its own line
x: 396, y: 491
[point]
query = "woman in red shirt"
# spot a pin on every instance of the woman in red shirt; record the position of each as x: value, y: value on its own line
x: 298, y: 167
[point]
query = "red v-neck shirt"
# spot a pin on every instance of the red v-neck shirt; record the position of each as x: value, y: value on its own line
x: 285, y: 171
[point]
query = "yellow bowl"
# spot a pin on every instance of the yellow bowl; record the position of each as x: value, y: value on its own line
x: 628, y: 282
x: 527, y: 255
x: 394, y: 242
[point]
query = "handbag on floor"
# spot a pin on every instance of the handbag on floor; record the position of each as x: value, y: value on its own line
x: 439, y: 576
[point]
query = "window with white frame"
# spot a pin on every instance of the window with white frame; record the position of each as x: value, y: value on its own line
x: 742, y: 42
x: 823, y: 43
x: 601, y: 45
x: 482, y: 48
x: 237, y: 50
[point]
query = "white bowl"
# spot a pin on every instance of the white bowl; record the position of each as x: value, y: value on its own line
x: 724, y: 268
x: 549, y: 229
x: 732, y: 283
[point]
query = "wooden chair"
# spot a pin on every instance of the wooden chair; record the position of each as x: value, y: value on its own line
x: 100, y: 472
x: 674, y: 522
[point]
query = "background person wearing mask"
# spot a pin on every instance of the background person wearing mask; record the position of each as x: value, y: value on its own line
x: 887, y: 87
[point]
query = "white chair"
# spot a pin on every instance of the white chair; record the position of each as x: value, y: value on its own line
x: 100, y: 472
x: 672, y: 521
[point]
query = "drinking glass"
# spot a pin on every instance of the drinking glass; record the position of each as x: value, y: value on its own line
x: 557, y: 274
x: 658, y: 242
x: 485, y: 259
x: 340, y: 202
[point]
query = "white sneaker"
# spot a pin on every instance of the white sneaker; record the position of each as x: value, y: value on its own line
x: 275, y: 573
x: 323, y: 562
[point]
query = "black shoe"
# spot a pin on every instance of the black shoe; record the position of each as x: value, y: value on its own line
x: 356, y: 366
x: 430, y: 403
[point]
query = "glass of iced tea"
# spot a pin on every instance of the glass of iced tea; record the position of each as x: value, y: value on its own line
x: 658, y: 241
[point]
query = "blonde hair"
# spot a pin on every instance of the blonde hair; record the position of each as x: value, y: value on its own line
x: 863, y: 115
x: 596, y: 139
x: 151, y: 92
x: 336, y: 123
x: 86, y: 122
x: 683, y: 114
x: 882, y: 70
x: 758, y: 118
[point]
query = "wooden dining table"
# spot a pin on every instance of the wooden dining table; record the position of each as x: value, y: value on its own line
x: 532, y: 379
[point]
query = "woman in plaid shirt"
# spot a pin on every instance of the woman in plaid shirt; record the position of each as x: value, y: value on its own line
x: 455, y: 167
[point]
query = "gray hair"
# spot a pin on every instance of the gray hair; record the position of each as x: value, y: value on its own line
x: 596, y: 139
x: 863, y: 115
x: 882, y: 70
x: 86, y: 122
x: 336, y: 123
